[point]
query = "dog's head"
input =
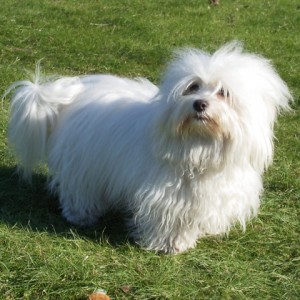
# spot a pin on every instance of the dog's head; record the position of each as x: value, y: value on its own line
x: 229, y: 97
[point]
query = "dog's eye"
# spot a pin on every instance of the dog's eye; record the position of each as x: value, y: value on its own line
x: 223, y: 93
x: 192, y: 88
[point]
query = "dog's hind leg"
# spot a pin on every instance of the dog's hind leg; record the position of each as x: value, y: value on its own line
x: 80, y: 208
x: 79, y: 215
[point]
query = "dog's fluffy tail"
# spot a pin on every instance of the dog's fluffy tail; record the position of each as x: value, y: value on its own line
x: 34, y: 111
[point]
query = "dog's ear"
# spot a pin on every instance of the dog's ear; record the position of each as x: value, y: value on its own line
x: 273, y: 98
x: 261, y: 96
x: 260, y: 148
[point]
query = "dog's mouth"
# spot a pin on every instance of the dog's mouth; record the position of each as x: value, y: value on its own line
x: 198, y: 122
x: 201, y: 117
x: 206, y: 121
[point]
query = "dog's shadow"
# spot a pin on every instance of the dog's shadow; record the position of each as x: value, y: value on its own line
x: 31, y: 206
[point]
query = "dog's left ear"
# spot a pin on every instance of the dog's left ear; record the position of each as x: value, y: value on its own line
x: 274, y: 97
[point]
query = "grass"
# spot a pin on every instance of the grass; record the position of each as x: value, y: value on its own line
x: 43, y: 257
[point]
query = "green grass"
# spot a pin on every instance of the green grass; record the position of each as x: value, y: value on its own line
x: 43, y: 257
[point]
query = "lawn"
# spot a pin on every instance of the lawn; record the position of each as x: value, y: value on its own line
x: 43, y: 257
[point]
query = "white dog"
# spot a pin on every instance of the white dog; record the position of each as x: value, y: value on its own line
x: 183, y: 159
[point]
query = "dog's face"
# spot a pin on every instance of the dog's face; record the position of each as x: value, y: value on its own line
x: 205, y: 108
x: 229, y: 97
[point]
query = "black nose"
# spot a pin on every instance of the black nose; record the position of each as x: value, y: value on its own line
x: 200, y: 105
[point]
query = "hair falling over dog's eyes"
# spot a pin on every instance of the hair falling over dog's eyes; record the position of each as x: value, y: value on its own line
x: 192, y: 88
x: 223, y: 93
x: 196, y: 86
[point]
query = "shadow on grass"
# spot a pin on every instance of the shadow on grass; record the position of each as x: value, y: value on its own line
x: 30, y: 206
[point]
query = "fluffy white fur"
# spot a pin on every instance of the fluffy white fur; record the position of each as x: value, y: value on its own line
x: 183, y: 159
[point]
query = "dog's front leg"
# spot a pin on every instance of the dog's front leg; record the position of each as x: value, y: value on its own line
x: 163, y: 238
x: 165, y: 223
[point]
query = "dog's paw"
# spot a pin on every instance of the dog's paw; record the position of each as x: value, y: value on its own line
x: 182, y: 244
x: 79, y: 218
x: 176, y: 246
